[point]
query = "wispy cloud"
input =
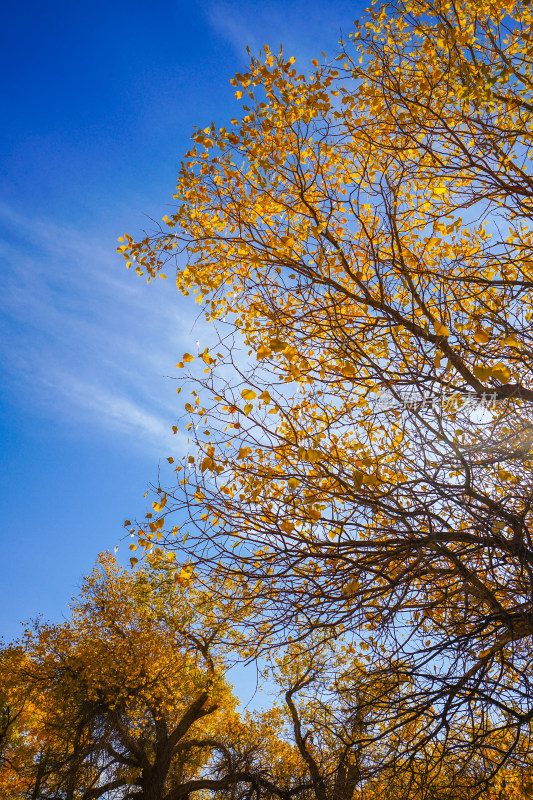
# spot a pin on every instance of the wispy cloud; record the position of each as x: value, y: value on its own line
x: 303, y: 28
x: 83, y: 339
x: 114, y: 411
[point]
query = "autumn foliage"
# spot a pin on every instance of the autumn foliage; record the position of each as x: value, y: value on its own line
x: 360, y: 423
x: 126, y: 695
x: 129, y: 699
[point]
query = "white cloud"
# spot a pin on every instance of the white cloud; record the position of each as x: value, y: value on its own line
x: 115, y: 412
x: 303, y: 28
x: 83, y: 339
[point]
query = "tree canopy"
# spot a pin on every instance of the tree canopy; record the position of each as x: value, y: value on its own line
x: 127, y: 698
x: 360, y: 241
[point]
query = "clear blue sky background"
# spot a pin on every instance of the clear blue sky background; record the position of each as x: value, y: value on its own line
x: 98, y: 103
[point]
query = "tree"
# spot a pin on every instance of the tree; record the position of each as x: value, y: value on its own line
x: 113, y: 705
x: 129, y: 696
x: 364, y: 235
x: 18, y: 713
x: 330, y: 701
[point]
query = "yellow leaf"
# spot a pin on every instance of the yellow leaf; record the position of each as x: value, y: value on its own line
x: 287, y: 526
x: 350, y: 587
x: 134, y: 561
x: 481, y: 337
x: 248, y: 394
x: 482, y: 373
x: 293, y: 369
x: 290, y: 352
x: 512, y: 340
x: 440, y: 329
x: 348, y: 370
x: 288, y: 241
x: 185, y: 573
x: 309, y: 454
x: 162, y: 504
x: 263, y: 352
x: 358, y: 478
x: 505, y: 475
x: 277, y: 345
x: 501, y: 373
x: 187, y: 357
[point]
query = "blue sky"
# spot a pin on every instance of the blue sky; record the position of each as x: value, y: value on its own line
x: 99, y: 101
